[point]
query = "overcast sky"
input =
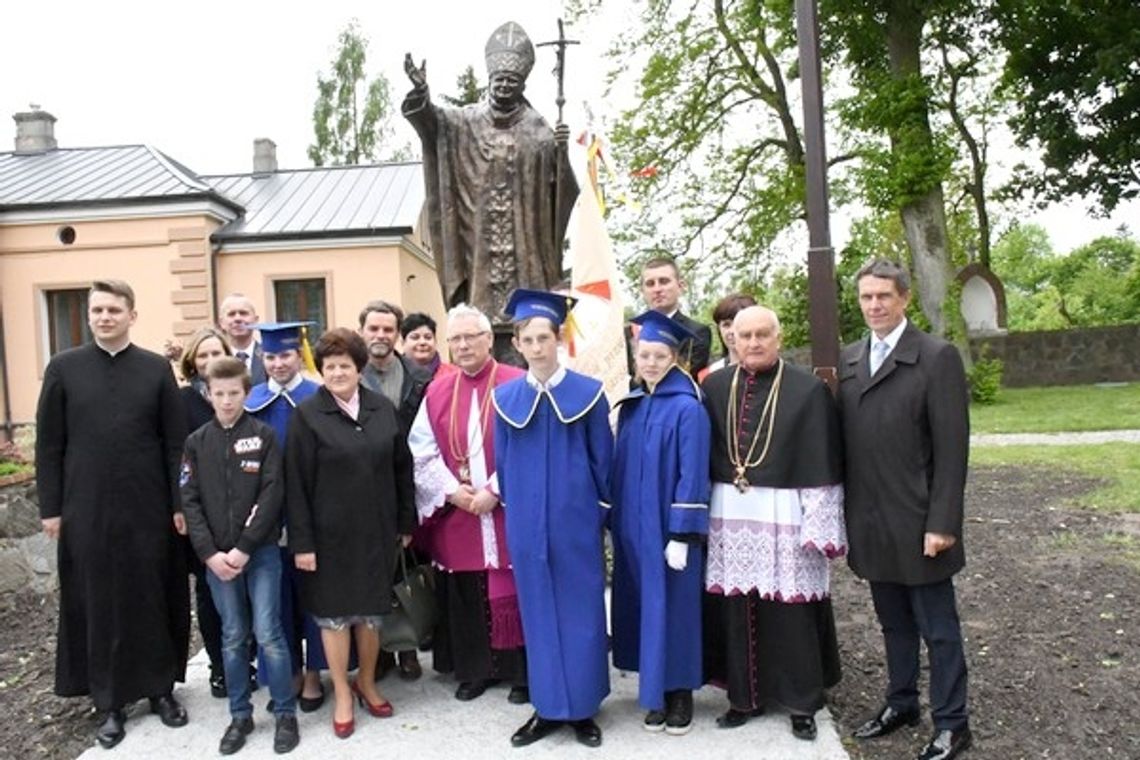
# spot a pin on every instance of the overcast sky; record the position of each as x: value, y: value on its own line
x: 199, y: 81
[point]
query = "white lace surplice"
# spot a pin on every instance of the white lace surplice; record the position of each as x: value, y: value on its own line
x: 775, y: 540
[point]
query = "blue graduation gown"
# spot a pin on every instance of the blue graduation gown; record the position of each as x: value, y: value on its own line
x: 553, y: 450
x: 275, y: 409
x: 660, y: 484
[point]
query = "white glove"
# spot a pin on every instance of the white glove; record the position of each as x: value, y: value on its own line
x: 677, y: 554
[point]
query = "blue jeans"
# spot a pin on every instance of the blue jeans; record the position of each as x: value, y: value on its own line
x: 254, y: 598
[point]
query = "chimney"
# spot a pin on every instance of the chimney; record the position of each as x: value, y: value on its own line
x: 35, y: 131
x: 264, y: 156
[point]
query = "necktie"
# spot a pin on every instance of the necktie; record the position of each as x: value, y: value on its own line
x: 879, y: 353
x: 243, y: 356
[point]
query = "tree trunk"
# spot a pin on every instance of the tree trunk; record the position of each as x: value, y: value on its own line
x: 923, y: 216
x: 924, y: 223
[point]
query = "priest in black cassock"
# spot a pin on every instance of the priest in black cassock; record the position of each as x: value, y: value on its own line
x: 775, y: 520
x: 109, y: 432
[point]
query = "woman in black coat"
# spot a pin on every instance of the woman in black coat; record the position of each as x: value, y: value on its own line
x: 350, y: 502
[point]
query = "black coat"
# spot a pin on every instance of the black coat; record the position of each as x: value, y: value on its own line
x: 349, y: 493
x: 109, y: 433
x: 907, y: 438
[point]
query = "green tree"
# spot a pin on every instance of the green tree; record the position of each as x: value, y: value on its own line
x: 467, y: 88
x: 351, y: 116
x: 713, y: 138
x: 905, y: 160
x: 1073, y: 68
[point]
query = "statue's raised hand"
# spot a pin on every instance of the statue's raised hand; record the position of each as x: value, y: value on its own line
x: 417, y: 75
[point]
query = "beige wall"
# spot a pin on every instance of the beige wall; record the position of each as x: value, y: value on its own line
x: 165, y: 260
x: 353, y: 276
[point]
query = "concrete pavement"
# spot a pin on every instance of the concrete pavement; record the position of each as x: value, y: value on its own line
x: 430, y: 723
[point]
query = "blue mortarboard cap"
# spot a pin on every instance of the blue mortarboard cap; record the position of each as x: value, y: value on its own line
x: 658, y: 328
x: 281, y: 336
x: 524, y: 304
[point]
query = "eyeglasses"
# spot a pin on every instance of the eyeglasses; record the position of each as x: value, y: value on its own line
x: 468, y: 338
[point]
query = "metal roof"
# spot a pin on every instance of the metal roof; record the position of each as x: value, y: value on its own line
x: 82, y: 176
x: 323, y: 202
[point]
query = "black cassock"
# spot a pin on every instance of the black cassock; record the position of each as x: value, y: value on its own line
x: 108, y: 445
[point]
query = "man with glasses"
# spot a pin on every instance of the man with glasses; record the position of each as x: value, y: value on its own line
x: 479, y: 637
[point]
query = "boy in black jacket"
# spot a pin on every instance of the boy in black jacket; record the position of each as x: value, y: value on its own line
x: 232, y: 494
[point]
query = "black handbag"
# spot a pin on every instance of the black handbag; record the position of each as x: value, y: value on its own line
x: 414, y: 611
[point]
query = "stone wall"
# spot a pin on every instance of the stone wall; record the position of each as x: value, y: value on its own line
x: 27, y: 556
x: 1053, y: 357
x: 1065, y: 357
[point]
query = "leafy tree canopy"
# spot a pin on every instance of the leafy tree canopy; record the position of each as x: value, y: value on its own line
x: 1075, y: 69
x: 351, y: 116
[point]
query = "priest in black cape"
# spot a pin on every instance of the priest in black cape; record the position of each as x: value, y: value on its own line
x: 776, y: 519
x: 109, y: 432
x: 499, y: 185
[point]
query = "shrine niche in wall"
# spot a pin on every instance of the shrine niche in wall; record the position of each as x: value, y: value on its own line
x: 983, y: 300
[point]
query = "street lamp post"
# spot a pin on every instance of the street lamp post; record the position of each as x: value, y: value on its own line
x: 823, y: 310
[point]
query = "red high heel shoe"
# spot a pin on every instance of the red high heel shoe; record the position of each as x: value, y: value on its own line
x: 344, y: 730
x: 382, y: 710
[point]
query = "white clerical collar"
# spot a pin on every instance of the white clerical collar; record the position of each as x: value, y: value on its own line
x: 892, y: 338
x: 558, y: 376
x: 112, y: 352
x: 276, y: 387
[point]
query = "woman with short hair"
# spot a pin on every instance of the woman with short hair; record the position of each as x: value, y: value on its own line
x: 350, y: 502
x: 418, y: 330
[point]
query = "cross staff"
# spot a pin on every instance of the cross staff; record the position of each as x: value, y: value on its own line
x: 560, y: 68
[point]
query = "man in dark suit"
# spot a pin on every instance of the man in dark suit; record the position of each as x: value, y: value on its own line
x: 402, y: 382
x: 662, y: 286
x: 236, y: 317
x: 904, y: 405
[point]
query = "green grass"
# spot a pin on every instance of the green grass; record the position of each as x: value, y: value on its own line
x: 1069, y: 408
x: 11, y: 468
x: 1117, y: 464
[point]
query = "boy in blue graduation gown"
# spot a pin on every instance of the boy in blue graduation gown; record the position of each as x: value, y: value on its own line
x: 659, y: 521
x: 272, y: 402
x: 553, y: 449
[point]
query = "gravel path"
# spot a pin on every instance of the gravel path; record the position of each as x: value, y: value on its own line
x: 1054, y: 439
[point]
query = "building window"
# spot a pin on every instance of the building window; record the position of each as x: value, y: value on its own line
x: 302, y: 301
x: 67, y: 319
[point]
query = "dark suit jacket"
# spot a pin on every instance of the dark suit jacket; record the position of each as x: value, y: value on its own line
x: 256, y: 365
x: 700, y: 347
x: 907, y: 434
x: 412, y: 389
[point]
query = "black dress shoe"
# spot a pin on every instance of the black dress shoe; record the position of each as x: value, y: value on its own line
x: 519, y: 695
x: 678, y: 712
x: 887, y: 721
x: 409, y: 665
x: 469, y: 690
x: 947, y: 744
x: 217, y: 684
x: 734, y: 718
x: 234, y: 737
x: 534, y: 729
x: 111, y: 730
x: 286, y: 736
x: 587, y: 732
x: 169, y: 711
x: 803, y: 727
